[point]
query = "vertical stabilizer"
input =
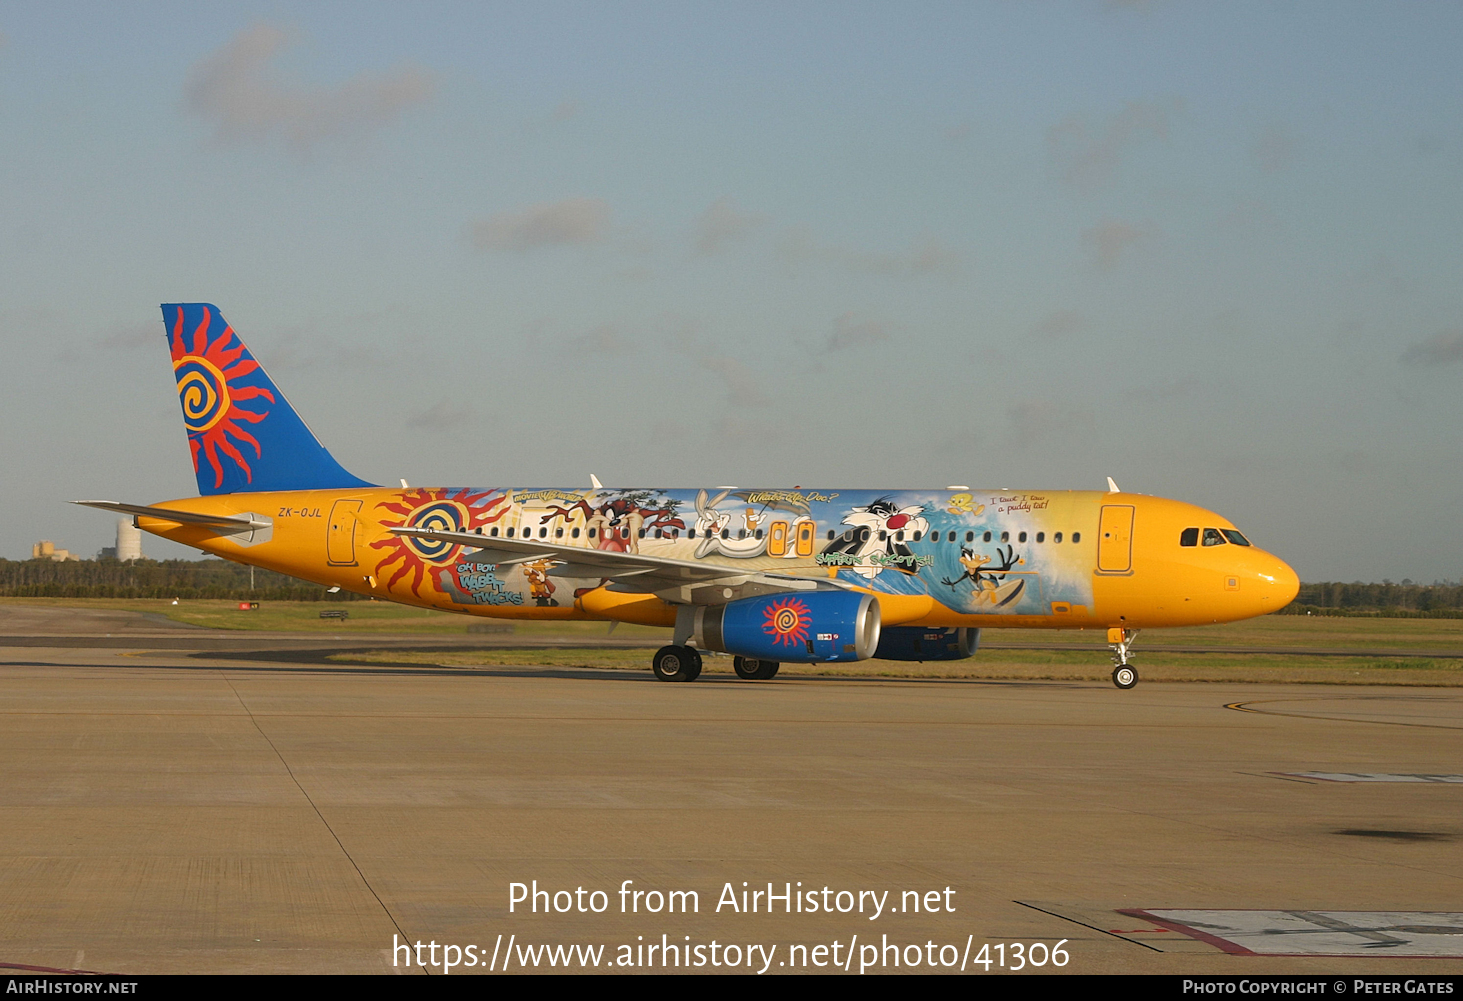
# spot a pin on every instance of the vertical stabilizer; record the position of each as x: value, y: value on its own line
x: 242, y: 432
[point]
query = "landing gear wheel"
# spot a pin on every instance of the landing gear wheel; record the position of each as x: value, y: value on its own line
x: 676, y: 663
x: 1125, y: 676
x: 749, y: 669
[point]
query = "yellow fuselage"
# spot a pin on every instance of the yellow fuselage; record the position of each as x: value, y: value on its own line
x: 1127, y: 567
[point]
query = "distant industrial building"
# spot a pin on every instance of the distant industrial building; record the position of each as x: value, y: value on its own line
x: 129, y: 540
x: 46, y: 550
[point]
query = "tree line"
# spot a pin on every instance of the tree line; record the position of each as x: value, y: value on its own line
x: 215, y: 578
x: 1442, y: 599
x: 109, y: 578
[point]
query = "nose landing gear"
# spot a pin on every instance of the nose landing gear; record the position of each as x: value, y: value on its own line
x: 1124, y: 675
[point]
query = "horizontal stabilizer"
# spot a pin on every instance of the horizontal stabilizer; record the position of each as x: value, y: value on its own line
x: 238, y: 523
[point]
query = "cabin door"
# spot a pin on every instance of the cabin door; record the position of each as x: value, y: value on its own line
x: 1115, y: 539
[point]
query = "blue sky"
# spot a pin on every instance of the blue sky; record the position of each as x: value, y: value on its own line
x: 1211, y: 250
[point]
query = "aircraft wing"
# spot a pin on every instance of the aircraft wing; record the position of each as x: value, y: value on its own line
x: 238, y: 523
x: 680, y: 581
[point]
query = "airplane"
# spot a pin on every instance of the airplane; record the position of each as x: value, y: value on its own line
x: 769, y: 576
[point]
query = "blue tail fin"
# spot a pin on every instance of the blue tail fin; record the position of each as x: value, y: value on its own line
x: 242, y: 432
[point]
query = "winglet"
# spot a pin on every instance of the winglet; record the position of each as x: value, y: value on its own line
x: 594, y: 482
x: 1112, y: 487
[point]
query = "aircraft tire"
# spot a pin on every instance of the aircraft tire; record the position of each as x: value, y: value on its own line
x: 750, y: 669
x: 676, y: 663
x: 1125, y: 676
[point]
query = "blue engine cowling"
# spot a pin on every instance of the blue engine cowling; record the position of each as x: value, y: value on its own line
x: 804, y: 628
x: 926, y: 643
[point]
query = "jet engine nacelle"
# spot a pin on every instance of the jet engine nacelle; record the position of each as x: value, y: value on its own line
x: 926, y: 643
x: 798, y: 628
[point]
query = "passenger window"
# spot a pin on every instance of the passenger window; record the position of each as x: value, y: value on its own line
x: 657, y: 533
x: 558, y: 533
x: 726, y: 533
x: 510, y: 533
x: 830, y: 535
x: 640, y: 534
x: 1005, y: 536
x: 986, y: 537
x: 574, y: 533
x: 883, y: 535
x: 543, y: 533
x: 1021, y: 537
x: 1212, y: 537
x: 759, y: 533
x: 1189, y: 537
x: 916, y: 536
x: 1040, y: 536
x: 969, y: 537
x: 1076, y: 536
x: 1057, y: 537
x: 494, y: 532
x: 592, y: 532
x: 1235, y: 537
x: 899, y: 535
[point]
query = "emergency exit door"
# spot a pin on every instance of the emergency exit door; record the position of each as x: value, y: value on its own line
x: 340, y: 537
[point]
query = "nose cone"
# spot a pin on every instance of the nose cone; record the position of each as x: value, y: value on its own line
x: 1280, y: 585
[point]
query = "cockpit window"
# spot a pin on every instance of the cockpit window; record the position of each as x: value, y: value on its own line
x: 1189, y: 537
x: 1213, y: 537
x: 1235, y: 537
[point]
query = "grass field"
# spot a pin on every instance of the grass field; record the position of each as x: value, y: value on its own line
x: 1364, y: 648
x: 1073, y: 665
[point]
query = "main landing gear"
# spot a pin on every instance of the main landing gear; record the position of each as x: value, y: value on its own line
x: 677, y: 663
x: 1124, y: 675
x: 683, y: 663
x: 749, y: 669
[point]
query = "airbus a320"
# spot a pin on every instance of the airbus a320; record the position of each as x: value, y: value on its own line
x: 767, y: 575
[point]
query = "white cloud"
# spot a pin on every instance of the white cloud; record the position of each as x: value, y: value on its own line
x: 248, y: 100
x: 1089, y: 157
x: 926, y: 256
x: 441, y: 416
x: 850, y: 331
x: 561, y: 223
x: 1444, y: 349
x: 721, y: 223
x: 1058, y: 323
x: 602, y: 340
x: 1110, y: 239
x: 1273, y: 149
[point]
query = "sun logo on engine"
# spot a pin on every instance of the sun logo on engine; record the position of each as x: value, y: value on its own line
x: 208, y: 373
x: 786, y: 621
x: 442, y: 510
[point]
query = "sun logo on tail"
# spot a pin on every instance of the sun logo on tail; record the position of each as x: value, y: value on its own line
x: 786, y: 621
x: 207, y: 372
x: 444, y: 510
